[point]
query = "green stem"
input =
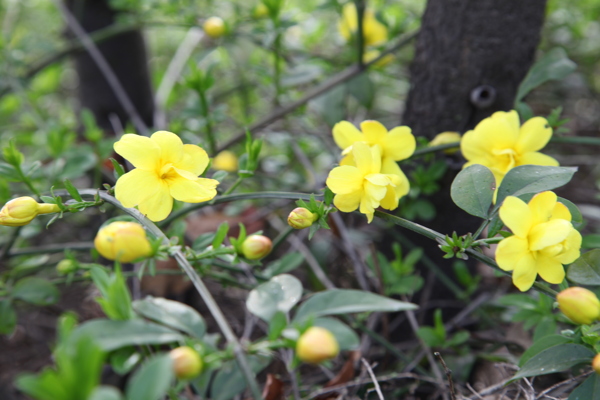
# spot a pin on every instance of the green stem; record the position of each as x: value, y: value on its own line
x: 492, y: 240
x: 234, y: 186
x: 276, y: 66
x: 25, y: 179
x: 212, y: 144
x: 210, y: 302
x: 360, y: 36
x: 234, y: 197
x: 484, y: 223
x: 420, y: 229
x: 281, y: 237
x: 594, y: 141
x: 433, y: 149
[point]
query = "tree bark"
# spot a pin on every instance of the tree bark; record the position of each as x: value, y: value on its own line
x: 471, y: 56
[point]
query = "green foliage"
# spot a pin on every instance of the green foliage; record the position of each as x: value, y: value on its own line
x: 586, y: 269
x: 473, y: 190
x: 173, y: 314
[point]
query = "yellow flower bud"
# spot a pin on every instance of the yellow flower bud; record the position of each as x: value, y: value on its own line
x: 316, y: 345
x: 256, y: 247
x: 66, y: 266
x: 446, y: 138
x: 596, y: 364
x: 301, y: 218
x: 214, y: 27
x: 23, y: 210
x: 260, y: 11
x: 225, y: 161
x: 580, y: 305
x: 122, y: 241
x: 186, y: 362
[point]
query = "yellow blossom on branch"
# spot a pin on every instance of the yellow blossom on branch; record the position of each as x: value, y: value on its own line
x: 165, y: 169
x: 22, y: 210
x: 363, y: 185
x: 544, y: 239
x: 500, y: 143
x: 374, y: 32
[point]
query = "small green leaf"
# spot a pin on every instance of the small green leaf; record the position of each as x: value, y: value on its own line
x: 220, y: 235
x: 555, y: 359
x: 576, y: 217
x: 117, y: 167
x: 473, y: 190
x: 72, y: 190
x: 345, y: 301
x: 588, y: 390
x: 124, y: 360
x: 542, y: 344
x: 277, y: 324
x: 105, y: 393
x: 229, y: 381
x: 586, y: 269
x: 362, y: 89
x: 152, y: 380
x: 8, y: 317
x: 35, y: 291
x: 172, y: 314
x: 280, y: 293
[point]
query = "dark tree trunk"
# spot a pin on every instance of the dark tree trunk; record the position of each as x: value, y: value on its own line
x: 126, y: 55
x: 471, y: 56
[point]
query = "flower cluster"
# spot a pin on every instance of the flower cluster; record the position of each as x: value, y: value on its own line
x: 500, y: 143
x: 368, y: 175
x: 374, y: 32
x: 544, y: 239
x: 165, y: 169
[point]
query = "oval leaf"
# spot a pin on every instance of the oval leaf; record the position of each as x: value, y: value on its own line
x: 588, y: 390
x: 105, y: 393
x: 344, y: 301
x: 347, y: 339
x: 112, y: 335
x: 230, y: 381
x: 280, y: 293
x: 173, y: 314
x: 473, y: 190
x: 555, y: 359
x: 8, y: 317
x: 35, y: 291
x: 586, y: 269
x: 152, y: 380
x: 533, y: 179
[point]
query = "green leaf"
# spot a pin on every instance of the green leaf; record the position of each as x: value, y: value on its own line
x: 8, y: 317
x: 301, y: 74
x: 542, y: 344
x: 586, y: 269
x: 346, y: 337
x: 105, y: 393
x: 576, y: 217
x: 591, y: 241
x: 331, y: 105
x: 430, y: 336
x: 554, y: 65
x: 533, y: 179
x: 588, y: 390
x: 277, y: 324
x: 473, y: 190
x: 111, y: 335
x: 118, y: 168
x: 35, y: 291
x: 285, y: 264
x: 124, y: 360
x: 9, y: 172
x: 78, y: 162
x: 172, y: 314
x: 152, y: 380
x: 280, y: 293
x: 362, y: 89
x: 230, y: 381
x: 220, y: 235
x: 555, y: 359
x: 72, y: 190
x: 345, y: 301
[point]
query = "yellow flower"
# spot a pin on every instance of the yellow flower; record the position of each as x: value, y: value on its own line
x: 499, y: 143
x: 397, y: 144
x: 214, y: 27
x: 544, y: 239
x: 364, y: 186
x: 165, y: 168
x: 375, y: 33
x: 446, y: 138
x: 579, y: 304
x: 187, y: 363
x: 122, y: 241
x: 23, y: 210
x: 225, y: 161
x: 316, y: 345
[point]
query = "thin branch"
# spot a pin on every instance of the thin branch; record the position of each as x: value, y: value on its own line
x: 373, y: 378
x: 359, y: 266
x: 565, y: 382
x: 448, y: 375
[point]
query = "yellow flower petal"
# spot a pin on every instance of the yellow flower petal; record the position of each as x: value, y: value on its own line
x: 171, y: 146
x: 374, y: 31
x: 535, y: 158
x: 140, y: 151
x: 194, y: 159
x: 516, y: 215
x: 374, y: 131
x: 549, y: 233
x: 534, y: 134
x: 345, y: 179
x: 378, y: 179
x: 550, y: 269
x: 571, y: 248
x: 348, y: 202
x: 193, y: 191
x: 510, y: 251
x: 136, y: 186
x: 345, y: 134
x: 399, y: 143
x: 525, y: 273
x: 541, y: 206
x: 158, y: 206
x: 560, y: 211
x: 367, y: 159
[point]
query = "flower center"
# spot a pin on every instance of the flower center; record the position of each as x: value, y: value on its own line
x: 505, y: 159
x: 166, y: 171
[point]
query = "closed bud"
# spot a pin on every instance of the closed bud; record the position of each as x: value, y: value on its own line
x: 446, y: 138
x: 256, y: 247
x: 580, y: 305
x: 225, y: 161
x: 122, y: 241
x: 23, y: 210
x: 596, y: 364
x: 187, y: 363
x: 214, y: 27
x: 260, y: 11
x: 66, y: 267
x: 316, y: 345
x: 301, y: 218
